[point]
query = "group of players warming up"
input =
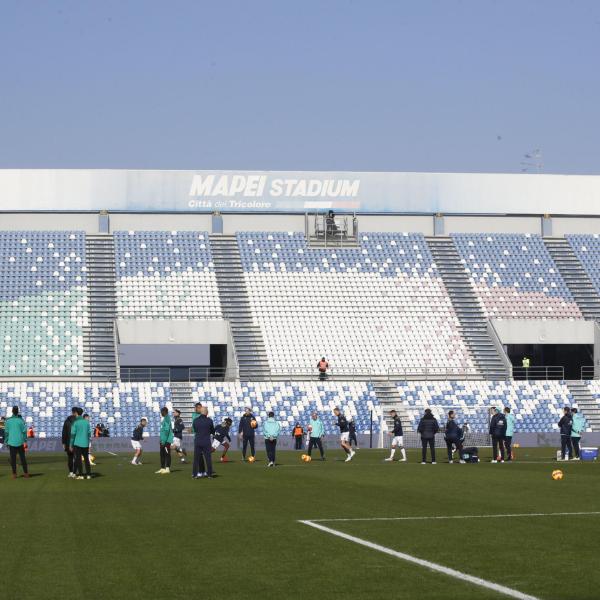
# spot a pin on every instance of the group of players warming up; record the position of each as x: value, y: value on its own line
x: 210, y: 438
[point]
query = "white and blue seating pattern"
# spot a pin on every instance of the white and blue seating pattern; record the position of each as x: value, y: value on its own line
x: 537, y: 406
x: 587, y: 250
x: 120, y: 406
x: 594, y: 387
x: 514, y: 276
x: 379, y: 307
x: 292, y: 402
x: 43, y: 302
x: 165, y: 275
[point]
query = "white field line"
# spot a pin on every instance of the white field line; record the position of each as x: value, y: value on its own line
x: 490, y: 585
x: 434, y: 518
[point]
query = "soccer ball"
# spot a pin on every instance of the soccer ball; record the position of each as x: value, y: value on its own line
x: 557, y: 474
x: 251, y: 459
x: 307, y: 458
x: 253, y: 424
x: 303, y: 457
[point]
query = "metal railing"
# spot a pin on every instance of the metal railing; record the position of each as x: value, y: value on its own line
x: 332, y: 230
x: 538, y: 372
x: 589, y: 372
x: 139, y: 374
x: 422, y: 373
x: 338, y: 373
x: 434, y: 373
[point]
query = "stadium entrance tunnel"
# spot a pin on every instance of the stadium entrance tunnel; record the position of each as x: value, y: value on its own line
x: 550, y: 361
x: 548, y: 349
x: 177, y: 350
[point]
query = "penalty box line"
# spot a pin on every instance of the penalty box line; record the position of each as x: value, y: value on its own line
x: 489, y: 585
x: 448, y: 517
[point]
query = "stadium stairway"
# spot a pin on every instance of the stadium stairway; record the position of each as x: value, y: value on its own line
x: 586, y: 403
x: 473, y: 323
x: 575, y: 277
x: 252, y: 358
x: 181, y: 398
x: 99, y: 349
x: 387, y: 394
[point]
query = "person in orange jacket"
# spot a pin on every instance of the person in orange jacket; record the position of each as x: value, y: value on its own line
x: 298, y: 435
x: 322, y: 367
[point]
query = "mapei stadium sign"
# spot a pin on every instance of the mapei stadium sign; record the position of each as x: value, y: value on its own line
x: 235, y: 190
x: 297, y: 192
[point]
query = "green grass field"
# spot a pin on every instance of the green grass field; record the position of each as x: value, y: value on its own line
x: 129, y: 533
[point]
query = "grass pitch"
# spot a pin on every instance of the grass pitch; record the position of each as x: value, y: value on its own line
x: 132, y: 534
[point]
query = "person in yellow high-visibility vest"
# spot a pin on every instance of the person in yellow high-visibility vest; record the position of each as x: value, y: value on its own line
x: 526, y: 363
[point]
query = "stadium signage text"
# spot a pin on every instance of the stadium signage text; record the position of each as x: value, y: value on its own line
x: 256, y: 186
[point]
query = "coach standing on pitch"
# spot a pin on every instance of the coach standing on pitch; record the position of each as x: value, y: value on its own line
x: 428, y: 427
x: 81, y: 433
x: 247, y: 432
x: 203, y: 428
x: 271, y: 429
x: 15, y: 437
x: 498, y: 432
x: 66, y: 440
x: 316, y: 431
x: 566, y: 428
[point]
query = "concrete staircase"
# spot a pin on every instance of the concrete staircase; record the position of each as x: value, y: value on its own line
x: 249, y: 345
x: 575, y: 277
x: 181, y: 397
x: 389, y: 398
x: 99, y: 338
x: 473, y: 322
x: 586, y: 403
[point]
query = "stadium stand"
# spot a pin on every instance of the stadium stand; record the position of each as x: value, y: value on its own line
x: 514, y: 276
x: 121, y: 405
x: 376, y: 308
x: 537, y: 406
x: 587, y: 250
x: 43, y: 303
x: 165, y: 275
x: 292, y: 402
x: 46, y: 404
x: 379, y: 308
x: 594, y: 389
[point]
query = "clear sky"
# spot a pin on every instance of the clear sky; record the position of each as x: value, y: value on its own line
x: 376, y: 85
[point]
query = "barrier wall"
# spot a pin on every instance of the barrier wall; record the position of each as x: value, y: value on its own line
x: 411, y: 440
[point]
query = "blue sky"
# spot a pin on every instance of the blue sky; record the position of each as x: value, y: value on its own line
x: 376, y: 85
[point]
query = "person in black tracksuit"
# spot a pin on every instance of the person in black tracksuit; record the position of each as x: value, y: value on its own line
x: 247, y: 432
x: 454, y: 436
x: 222, y: 438
x: 203, y: 428
x: 178, y: 429
x: 566, y: 427
x: 498, y: 433
x: 352, y: 436
x: 344, y: 427
x: 428, y: 427
x: 66, y: 440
